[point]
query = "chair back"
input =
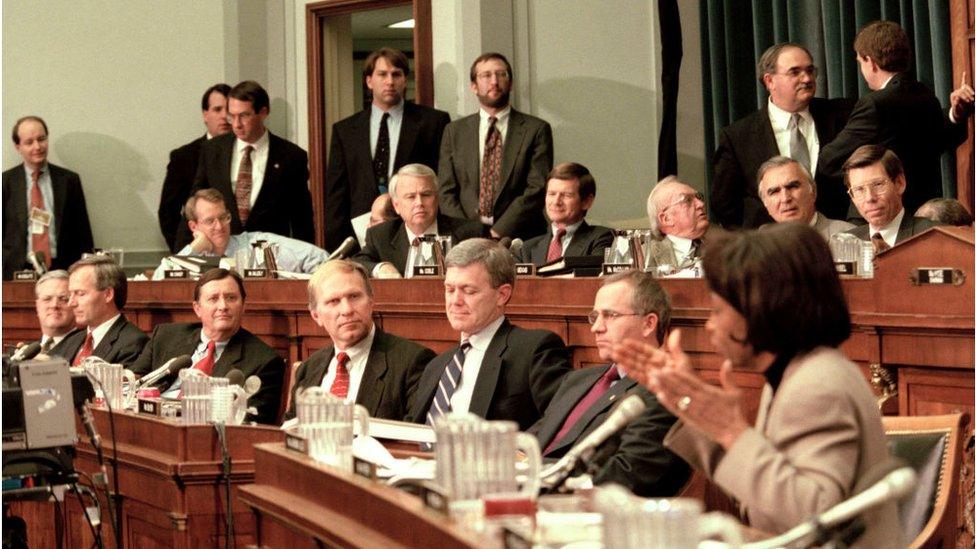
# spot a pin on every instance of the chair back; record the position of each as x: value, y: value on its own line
x: 932, y: 446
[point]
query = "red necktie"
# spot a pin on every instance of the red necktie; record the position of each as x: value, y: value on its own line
x: 85, y: 351
x: 340, y: 385
x: 206, y: 364
x: 601, y: 386
x: 40, y: 242
x: 556, y: 246
x: 242, y: 192
x: 491, y: 168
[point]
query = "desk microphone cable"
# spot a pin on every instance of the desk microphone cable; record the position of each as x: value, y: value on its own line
x: 225, y: 470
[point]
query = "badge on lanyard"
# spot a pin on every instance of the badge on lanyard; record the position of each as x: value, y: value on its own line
x: 39, y: 220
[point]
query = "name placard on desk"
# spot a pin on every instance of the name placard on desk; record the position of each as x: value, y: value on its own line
x: 524, y: 269
x: 178, y: 274
x: 846, y: 268
x: 613, y: 268
x: 25, y: 275
x: 256, y: 273
x: 427, y: 270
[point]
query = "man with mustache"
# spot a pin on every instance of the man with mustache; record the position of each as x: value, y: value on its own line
x: 793, y: 123
x: 493, y: 163
x: 370, y: 146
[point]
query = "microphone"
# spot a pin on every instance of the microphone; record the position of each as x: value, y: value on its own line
x: 625, y: 412
x: 26, y: 352
x: 516, y: 246
x: 252, y: 385
x: 505, y: 242
x: 893, y: 486
x: 172, y: 366
x: 235, y: 377
x: 344, y: 249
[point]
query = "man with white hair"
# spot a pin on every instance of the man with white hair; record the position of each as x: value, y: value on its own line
x: 391, y: 247
x: 678, y: 220
x: 789, y: 193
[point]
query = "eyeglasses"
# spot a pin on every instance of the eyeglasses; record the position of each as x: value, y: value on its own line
x: 686, y: 199
x: 607, y: 316
x: 211, y: 221
x: 875, y: 188
x: 795, y: 72
x: 501, y: 75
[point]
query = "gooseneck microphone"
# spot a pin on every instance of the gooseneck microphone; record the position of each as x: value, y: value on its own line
x: 172, y: 366
x: 344, y: 249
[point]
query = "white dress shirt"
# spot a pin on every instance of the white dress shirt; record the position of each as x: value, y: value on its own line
x: 568, y: 237
x: 681, y: 247
x: 259, y: 162
x: 98, y: 332
x: 780, y: 121
x: 890, y: 231
x: 358, y: 355
x: 461, y: 399
x: 393, y: 124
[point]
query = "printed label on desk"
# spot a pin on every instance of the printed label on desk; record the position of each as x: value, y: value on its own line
x: 176, y: 273
x: 296, y: 443
x: 150, y: 407
x: 846, y: 268
x: 524, y: 269
x: 364, y: 468
x: 427, y: 270
x: 255, y: 273
x: 25, y: 275
x: 614, y: 268
x: 937, y: 276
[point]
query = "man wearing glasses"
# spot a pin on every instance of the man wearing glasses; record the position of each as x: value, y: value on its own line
x: 629, y: 305
x: 679, y: 223
x: 493, y: 163
x: 876, y: 183
x: 793, y: 123
x: 264, y: 178
x: 209, y: 222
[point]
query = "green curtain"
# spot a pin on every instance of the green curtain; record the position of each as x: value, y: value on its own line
x: 734, y: 34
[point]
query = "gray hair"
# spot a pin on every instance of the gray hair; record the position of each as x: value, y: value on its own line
x: 497, y: 260
x: 652, y: 209
x: 58, y: 274
x: 777, y: 162
x: 108, y: 274
x: 947, y: 211
x: 767, y: 61
x: 415, y: 170
x: 648, y: 297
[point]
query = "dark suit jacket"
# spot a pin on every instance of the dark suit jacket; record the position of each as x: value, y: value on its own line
x: 244, y: 352
x: 350, y: 184
x: 180, y: 173
x: 283, y: 206
x: 906, y: 118
x: 909, y: 227
x: 526, y: 161
x: 388, y: 240
x: 518, y: 377
x: 122, y: 343
x: 745, y: 144
x: 588, y: 240
x: 634, y: 457
x: 392, y: 370
x: 74, y: 236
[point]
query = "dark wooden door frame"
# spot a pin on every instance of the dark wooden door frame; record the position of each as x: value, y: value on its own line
x: 315, y: 15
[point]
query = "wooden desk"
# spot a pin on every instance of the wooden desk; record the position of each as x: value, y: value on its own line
x: 300, y: 503
x: 170, y: 481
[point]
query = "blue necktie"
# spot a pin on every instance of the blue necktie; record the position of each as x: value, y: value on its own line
x: 447, y: 384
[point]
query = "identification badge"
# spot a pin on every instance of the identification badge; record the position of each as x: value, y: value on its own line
x: 40, y: 217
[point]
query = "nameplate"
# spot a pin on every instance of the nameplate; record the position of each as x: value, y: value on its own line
x: 937, y: 276
x: 614, y: 268
x: 427, y: 270
x: 846, y: 268
x: 524, y: 269
x: 364, y: 468
x: 434, y: 498
x: 176, y: 273
x: 150, y: 406
x: 256, y: 273
x: 25, y: 275
x: 296, y: 443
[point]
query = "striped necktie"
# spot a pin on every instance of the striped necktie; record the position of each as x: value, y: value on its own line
x: 447, y: 384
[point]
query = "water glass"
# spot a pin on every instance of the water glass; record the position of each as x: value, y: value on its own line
x: 326, y: 422
x: 195, y: 387
x: 228, y: 403
x: 109, y: 387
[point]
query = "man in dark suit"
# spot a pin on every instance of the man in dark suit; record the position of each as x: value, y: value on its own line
x: 364, y: 364
x: 53, y: 314
x: 493, y: 164
x: 264, y: 178
x: 369, y: 146
x: 570, y: 192
x: 390, y: 250
x: 499, y: 371
x: 43, y: 205
x: 788, y: 73
x: 876, y: 183
x: 98, y: 294
x: 900, y: 113
x: 629, y: 305
x: 218, y: 344
x: 182, y: 167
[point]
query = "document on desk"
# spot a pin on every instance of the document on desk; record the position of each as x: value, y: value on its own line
x: 389, y: 429
x: 388, y: 467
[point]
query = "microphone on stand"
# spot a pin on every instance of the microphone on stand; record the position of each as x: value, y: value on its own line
x: 26, y: 352
x: 344, y: 249
x: 172, y: 366
x: 552, y: 477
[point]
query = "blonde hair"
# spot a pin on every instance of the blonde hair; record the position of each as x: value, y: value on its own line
x: 330, y: 268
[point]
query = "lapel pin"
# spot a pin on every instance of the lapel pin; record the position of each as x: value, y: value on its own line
x: 612, y: 397
x: 276, y: 166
